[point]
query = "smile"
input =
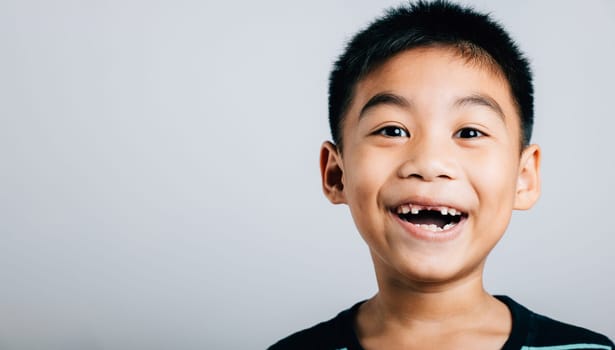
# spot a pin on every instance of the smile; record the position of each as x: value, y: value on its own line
x: 430, y: 218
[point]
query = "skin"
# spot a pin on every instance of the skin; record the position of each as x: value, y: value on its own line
x: 454, y: 142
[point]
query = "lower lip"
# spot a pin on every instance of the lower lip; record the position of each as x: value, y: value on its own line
x: 430, y: 236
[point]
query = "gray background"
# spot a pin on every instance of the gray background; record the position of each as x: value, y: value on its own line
x: 159, y: 184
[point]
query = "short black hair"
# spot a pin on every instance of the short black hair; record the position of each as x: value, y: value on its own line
x: 422, y: 24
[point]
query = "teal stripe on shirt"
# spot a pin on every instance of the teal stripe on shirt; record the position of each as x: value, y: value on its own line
x: 568, y: 347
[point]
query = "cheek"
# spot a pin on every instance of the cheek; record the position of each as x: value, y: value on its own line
x: 494, y: 178
x: 366, y: 173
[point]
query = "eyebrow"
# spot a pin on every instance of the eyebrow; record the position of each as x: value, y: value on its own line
x: 384, y: 98
x: 480, y: 100
x: 388, y: 98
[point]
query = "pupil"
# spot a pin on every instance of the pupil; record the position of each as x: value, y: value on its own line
x: 470, y: 133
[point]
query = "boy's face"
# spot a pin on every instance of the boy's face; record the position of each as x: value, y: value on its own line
x: 431, y: 167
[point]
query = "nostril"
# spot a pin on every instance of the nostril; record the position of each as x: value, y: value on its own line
x: 421, y: 177
x: 426, y: 169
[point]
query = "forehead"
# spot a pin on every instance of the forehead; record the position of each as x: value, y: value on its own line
x: 433, y: 76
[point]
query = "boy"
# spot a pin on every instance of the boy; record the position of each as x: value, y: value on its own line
x: 431, y: 111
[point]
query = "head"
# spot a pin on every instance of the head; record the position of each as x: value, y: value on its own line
x: 472, y: 35
x: 431, y: 112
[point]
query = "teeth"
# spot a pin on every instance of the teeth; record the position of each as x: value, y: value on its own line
x: 404, y: 209
x: 435, y: 228
x: 415, y: 209
x: 432, y: 228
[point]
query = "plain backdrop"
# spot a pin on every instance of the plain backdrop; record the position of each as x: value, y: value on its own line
x: 159, y: 184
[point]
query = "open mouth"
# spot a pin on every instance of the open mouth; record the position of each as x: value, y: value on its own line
x: 432, y: 218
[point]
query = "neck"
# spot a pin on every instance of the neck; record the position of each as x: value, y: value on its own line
x: 405, y: 303
x: 412, y: 313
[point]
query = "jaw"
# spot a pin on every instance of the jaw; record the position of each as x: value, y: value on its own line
x: 422, y: 256
x: 430, y: 266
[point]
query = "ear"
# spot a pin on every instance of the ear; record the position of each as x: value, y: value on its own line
x: 332, y: 173
x: 528, y: 180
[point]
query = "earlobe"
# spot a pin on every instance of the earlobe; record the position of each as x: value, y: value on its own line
x: 528, y: 179
x: 332, y: 174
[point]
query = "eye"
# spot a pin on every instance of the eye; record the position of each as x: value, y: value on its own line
x: 468, y: 133
x: 393, y: 131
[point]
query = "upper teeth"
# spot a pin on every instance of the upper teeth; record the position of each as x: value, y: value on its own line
x: 415, y: 209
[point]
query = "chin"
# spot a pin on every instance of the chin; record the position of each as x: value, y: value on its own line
x: 436, y: 275
x: 430, y: 271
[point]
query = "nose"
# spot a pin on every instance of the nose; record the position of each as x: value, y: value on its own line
x: 428, y: 160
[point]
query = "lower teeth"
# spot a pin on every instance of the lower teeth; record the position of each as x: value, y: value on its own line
x: 436, y: 228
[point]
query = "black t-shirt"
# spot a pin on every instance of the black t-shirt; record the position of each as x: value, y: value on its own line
x: 530, y: 331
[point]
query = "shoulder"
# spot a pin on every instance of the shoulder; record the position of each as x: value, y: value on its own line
x: 532, y: 331
x: 336, y: 333
x: 549, y: 332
